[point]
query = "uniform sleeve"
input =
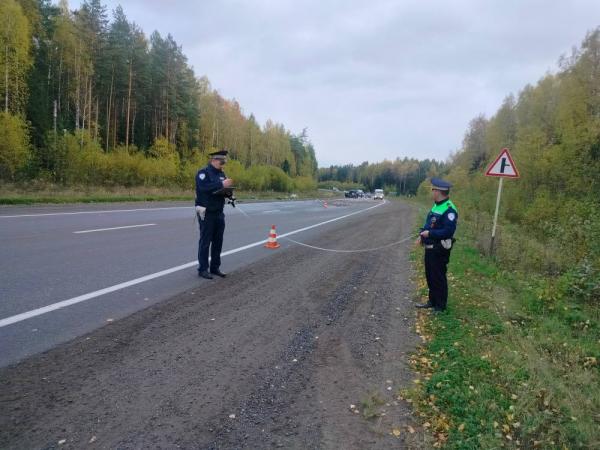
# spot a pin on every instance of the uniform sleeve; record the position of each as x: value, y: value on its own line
x: 448, y: 225
x: 205, y: 184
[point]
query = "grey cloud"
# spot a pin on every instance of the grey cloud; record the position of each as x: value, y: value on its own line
x: 371, y: 80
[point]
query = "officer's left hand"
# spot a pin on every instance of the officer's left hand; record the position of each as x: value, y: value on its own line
x: 425, y: 233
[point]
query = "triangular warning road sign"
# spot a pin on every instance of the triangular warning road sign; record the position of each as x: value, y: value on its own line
x: 503, y: 166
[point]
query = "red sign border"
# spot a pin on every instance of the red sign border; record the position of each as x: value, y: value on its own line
x: 502, y: 152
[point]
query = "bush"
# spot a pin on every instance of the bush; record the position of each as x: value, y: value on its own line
x: 304, y: 184
x: 582, y: 283
x: 162, y: 149
x: 15, y: 151
x: 78, y: 159
x: 279, y: 181
x: 256, y: 178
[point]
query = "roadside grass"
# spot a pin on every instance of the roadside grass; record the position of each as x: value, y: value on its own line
x: 57, y: 194
x: 510, y: 364
x: 51, y: 193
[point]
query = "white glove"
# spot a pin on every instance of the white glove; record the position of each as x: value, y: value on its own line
x: 446, y: 243
x: 200, y: 212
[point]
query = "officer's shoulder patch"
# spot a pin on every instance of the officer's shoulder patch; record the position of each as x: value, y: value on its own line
x: 202, y: 175
x: 451, y: 216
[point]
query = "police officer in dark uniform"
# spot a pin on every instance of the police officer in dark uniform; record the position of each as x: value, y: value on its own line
x: 211, y: 191
x: 436, y: 237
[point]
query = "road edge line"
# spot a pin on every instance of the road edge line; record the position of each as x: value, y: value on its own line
x: 117, y: 287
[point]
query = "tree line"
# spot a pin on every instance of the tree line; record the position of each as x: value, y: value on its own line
x: 552, y: 129
x: 76, y: 83
x: 402, y: 176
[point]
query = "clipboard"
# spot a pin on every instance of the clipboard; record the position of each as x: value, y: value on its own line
x: 225, y: 192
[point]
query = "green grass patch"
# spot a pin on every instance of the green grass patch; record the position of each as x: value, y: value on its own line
x: 512, y: 363
x: 57, y: 194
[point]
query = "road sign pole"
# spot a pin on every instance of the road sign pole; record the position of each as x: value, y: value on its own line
x: 496, y: 217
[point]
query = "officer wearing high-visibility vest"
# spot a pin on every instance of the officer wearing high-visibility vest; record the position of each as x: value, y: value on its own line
x: 211, y: 184
x: 436, y: 237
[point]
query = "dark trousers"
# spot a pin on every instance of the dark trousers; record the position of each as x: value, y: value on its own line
x: 211, y: 235
x: 436, y: 263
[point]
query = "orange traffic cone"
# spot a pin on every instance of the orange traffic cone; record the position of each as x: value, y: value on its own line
x: 272, y: 241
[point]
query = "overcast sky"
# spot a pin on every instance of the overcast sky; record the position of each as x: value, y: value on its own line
x: 370, y: 79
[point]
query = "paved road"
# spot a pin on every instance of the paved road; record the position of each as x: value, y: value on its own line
x: 54, y: 254
x: 272, y: 357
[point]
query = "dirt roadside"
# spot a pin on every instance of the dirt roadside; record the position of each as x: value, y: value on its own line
x: 272, y: 356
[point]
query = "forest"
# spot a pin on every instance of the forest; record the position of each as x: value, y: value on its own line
x: 401, y: 176
x: 549, y: 220
x: 89, y: 99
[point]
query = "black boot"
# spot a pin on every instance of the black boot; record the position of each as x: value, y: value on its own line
x: 426, y: 305
x: 205, y: 274
x: 218, y: 273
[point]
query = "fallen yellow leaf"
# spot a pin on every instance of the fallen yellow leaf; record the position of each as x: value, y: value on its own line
x: 396, y: 432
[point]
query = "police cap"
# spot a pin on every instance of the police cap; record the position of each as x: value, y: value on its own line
x: 440, y: 185
x: 221, y: 154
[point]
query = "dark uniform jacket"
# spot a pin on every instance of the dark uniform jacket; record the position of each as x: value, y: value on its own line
x: 209, y: 180
x: 441, y: 222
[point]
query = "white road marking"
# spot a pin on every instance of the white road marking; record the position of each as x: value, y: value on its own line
x: 82, y: 298
x: 115, y: 228
x: 95, y: 212
x: 271, y: 210
x: 100, y: 211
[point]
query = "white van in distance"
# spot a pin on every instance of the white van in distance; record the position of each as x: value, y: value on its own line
x: 378, y: 194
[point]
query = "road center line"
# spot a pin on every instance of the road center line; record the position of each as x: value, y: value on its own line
x: 191, y: 208
x: 115, y: 228
x: 82, y: 298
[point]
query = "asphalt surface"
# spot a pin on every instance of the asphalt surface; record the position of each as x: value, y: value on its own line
x: 51, y: 254
x: 302, y: 348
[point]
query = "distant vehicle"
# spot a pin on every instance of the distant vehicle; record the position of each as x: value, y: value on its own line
x: 378, y: 194
x: 354, y: 193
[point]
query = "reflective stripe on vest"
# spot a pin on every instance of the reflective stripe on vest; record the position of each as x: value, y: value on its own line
x: 441, y: 209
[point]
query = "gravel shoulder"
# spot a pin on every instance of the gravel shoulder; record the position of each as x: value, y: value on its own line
x: 272, y: 356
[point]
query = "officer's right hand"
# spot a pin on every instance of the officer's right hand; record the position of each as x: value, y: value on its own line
x: 227, y: 182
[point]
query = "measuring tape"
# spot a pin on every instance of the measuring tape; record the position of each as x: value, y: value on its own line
x: 333, y: 250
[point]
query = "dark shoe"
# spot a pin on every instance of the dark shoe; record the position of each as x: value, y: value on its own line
x: 426, y: 305
x: 218, y: 273
x: 205, y: 274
